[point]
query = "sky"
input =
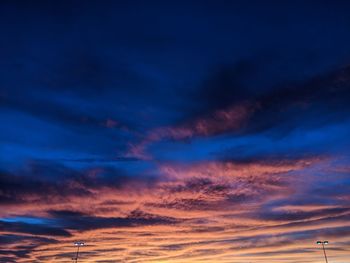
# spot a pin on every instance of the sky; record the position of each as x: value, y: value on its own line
x: 174, y: 131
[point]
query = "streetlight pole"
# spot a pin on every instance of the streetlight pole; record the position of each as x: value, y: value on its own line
x: 323, y: 247
x: 78, y: 245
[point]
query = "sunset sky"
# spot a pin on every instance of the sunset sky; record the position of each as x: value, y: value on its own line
x: 175, y: 131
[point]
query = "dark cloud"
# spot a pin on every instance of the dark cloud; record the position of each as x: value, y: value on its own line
x: 6, y: 258
x: 64, y: 115
x: 17, y: 239
x: 102, y: 160
x: 48, y: 179
x: 15, y: 188
x: 186, y: 204
x: 226, y: 86
x: 301, y: 215
x: 18, y: 250
x: 314, y: 102
x: 33, y: 229
x: 320, y: 101
x: 203, y: 185
x: 82, y: 222
x: 324, y: 219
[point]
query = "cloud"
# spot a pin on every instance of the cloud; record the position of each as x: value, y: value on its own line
x: 17, y: 247
x: 33, y: 229
x: 278, y: 111
x: 223, y: 205
x: 77, y: 221
x: 302, y: 215
x: 230, y: 119
x: 48, y: 183
x: 152, y: 140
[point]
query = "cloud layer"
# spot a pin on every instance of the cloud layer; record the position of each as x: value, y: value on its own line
x: 169, y: 132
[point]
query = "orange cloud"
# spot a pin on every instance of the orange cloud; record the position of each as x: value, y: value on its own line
x: 204, y: 212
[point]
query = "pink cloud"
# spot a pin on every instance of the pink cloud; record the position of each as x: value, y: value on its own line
x: 213, y: 205
x: 230, y: 119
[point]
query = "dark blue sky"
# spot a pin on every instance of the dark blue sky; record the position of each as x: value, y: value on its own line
x: 126, y: 103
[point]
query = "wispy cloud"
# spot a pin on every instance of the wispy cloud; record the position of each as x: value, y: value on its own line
x: 164, y: 132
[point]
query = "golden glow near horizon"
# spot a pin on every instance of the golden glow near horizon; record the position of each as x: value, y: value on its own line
x: 209, y: 212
